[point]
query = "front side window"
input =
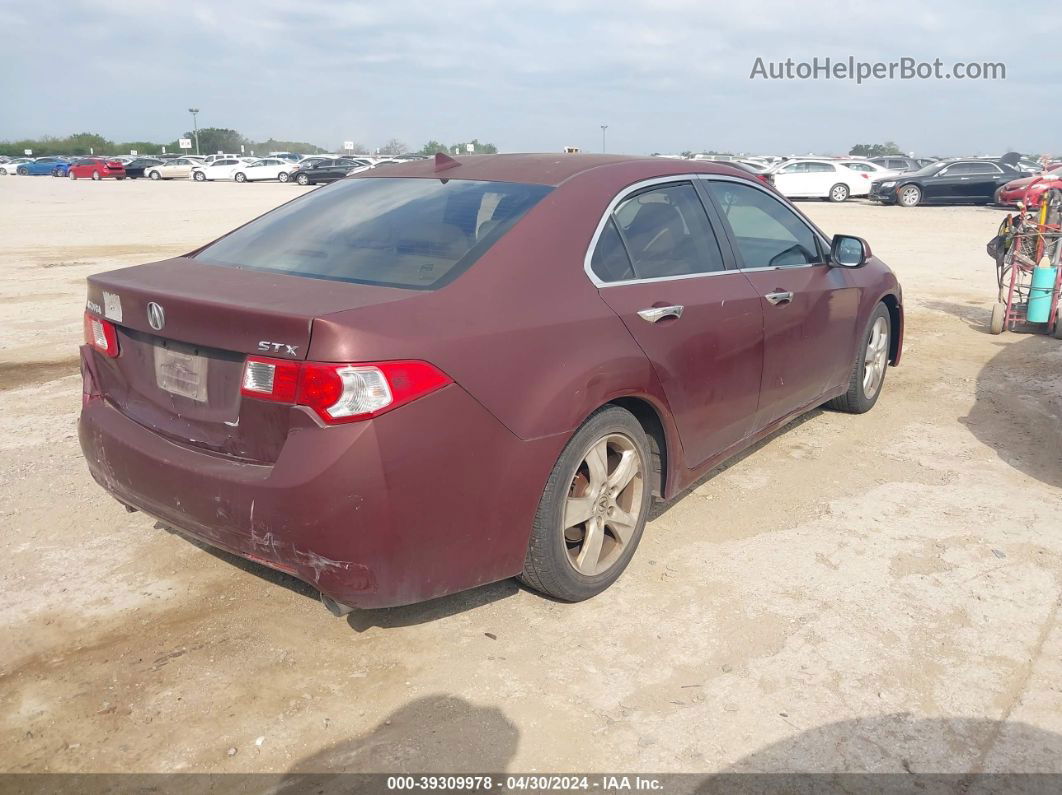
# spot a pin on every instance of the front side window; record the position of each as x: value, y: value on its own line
x: 414, y: 233
x: 821, y: 167
x: 767, y: 233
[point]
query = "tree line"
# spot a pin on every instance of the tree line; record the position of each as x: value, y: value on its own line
x: 215, y: 139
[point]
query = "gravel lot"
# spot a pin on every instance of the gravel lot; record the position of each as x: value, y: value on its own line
x: 878, y: 592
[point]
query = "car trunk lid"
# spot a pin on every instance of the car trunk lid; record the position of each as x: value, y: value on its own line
x: 184, y: 331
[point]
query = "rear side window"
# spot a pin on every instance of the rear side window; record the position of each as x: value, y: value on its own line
x: 415, y: 233
x: 767, y: 233
x: 655, y: 234
x: 667, y: 233
x: 610, y: 262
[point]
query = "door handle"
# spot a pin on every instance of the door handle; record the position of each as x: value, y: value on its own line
x: 779, y: 297
x: 655, y: 313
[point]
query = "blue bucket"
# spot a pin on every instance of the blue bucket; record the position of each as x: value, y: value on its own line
x: 1043, y: 287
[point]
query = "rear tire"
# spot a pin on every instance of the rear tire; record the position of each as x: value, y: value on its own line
x: 240, y: 177
x: 1058, y: 326
x: 995, y: 325
x: 867, y: 379
x: 283, y: 176
x: 22, y: 171
x: 601, y: 488
x: 96, y: 177
x: 909, y: 196
x: 839, y: 192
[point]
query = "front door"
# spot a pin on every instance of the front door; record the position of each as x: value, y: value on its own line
x: 809, y: 307
x: 659, y: 266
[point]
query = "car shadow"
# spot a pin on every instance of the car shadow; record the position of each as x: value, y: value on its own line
x: 661, y: 507
x: 437, y: 734
x: 901, y: 753
x: 1017, y: 405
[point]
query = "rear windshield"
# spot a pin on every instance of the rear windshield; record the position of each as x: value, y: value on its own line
x: 398, y: 232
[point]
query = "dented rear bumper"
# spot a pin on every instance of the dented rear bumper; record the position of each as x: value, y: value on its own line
x: 426, y: 500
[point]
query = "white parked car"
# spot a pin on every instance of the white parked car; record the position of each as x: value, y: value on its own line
x: 872, y: 170
x: 818, y: 179
x: 264, y: 169
x: 11, y: 166
x: 223, y: 168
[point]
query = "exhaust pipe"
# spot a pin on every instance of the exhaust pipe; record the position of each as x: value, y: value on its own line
x: 338, y: 609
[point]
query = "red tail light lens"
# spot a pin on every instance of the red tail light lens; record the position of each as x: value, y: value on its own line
x: 341, y: 393
x: 101, y: 335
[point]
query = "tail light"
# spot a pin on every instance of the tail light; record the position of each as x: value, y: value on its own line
x: 340, y: 393
x: 101, y: 335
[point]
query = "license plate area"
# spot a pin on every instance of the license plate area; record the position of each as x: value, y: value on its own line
x: 183, y: 374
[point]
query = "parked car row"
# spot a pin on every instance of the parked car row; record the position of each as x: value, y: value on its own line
x: 282, y: 167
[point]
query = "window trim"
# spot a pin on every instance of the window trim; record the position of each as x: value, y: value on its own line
x: 732, y: 262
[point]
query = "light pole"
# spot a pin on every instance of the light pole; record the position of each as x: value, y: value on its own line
x: 195, y: 128
x: 603, y: 128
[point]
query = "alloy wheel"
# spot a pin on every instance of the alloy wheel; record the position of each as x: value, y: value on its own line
x: 603, y: 503
x: 910, y: 196
x: 876, y: 358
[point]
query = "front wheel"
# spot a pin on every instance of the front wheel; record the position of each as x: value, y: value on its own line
x: 155, y: 175
x: 240, y: 177
x: 868, y: 373
x: 283, y: 176
x: 96, y: 177
x: 999, y: 312
x: 199, y: 176
x: 593, y: 511
x: 71, y: 174
x: 303, y: 179
x: 22, y: 171
x: 909, y: 196
x: 997, y: 197
x: 839, y: 192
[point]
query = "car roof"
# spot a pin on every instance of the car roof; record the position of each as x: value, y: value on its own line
x: 554, y: 169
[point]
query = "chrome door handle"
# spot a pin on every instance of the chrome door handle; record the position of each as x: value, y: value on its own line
x: 779, y: 297
x: 655, y: 313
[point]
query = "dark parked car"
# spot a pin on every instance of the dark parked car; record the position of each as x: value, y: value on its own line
x: 946, y: 182
x: 135, y: 168
x: 401, y: 386
x: 325, y: 170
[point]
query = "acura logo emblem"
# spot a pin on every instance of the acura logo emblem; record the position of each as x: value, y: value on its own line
x: 156, y: 316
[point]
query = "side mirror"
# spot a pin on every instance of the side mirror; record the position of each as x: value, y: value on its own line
x: 848, y: 251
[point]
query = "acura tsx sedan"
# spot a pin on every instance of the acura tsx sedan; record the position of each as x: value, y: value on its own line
x: 455, y: 371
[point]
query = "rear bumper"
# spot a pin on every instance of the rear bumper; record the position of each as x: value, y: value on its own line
x: 432, y: 498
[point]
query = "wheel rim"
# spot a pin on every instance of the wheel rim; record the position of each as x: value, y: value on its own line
x: 876, y: 358
x: 840, y: 194
x: 603, y: 503
x: 910, y: 196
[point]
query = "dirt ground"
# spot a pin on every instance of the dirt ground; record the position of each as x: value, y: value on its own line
x: 857, y: 593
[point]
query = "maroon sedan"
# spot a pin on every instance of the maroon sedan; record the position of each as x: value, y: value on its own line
x: 404, y: 385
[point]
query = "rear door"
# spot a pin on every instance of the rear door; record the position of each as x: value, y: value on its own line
x: 809, y: 308
x: 979, y: 182
x: 658, y: 264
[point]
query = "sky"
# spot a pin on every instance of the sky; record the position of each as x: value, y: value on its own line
x: 665, y: 76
